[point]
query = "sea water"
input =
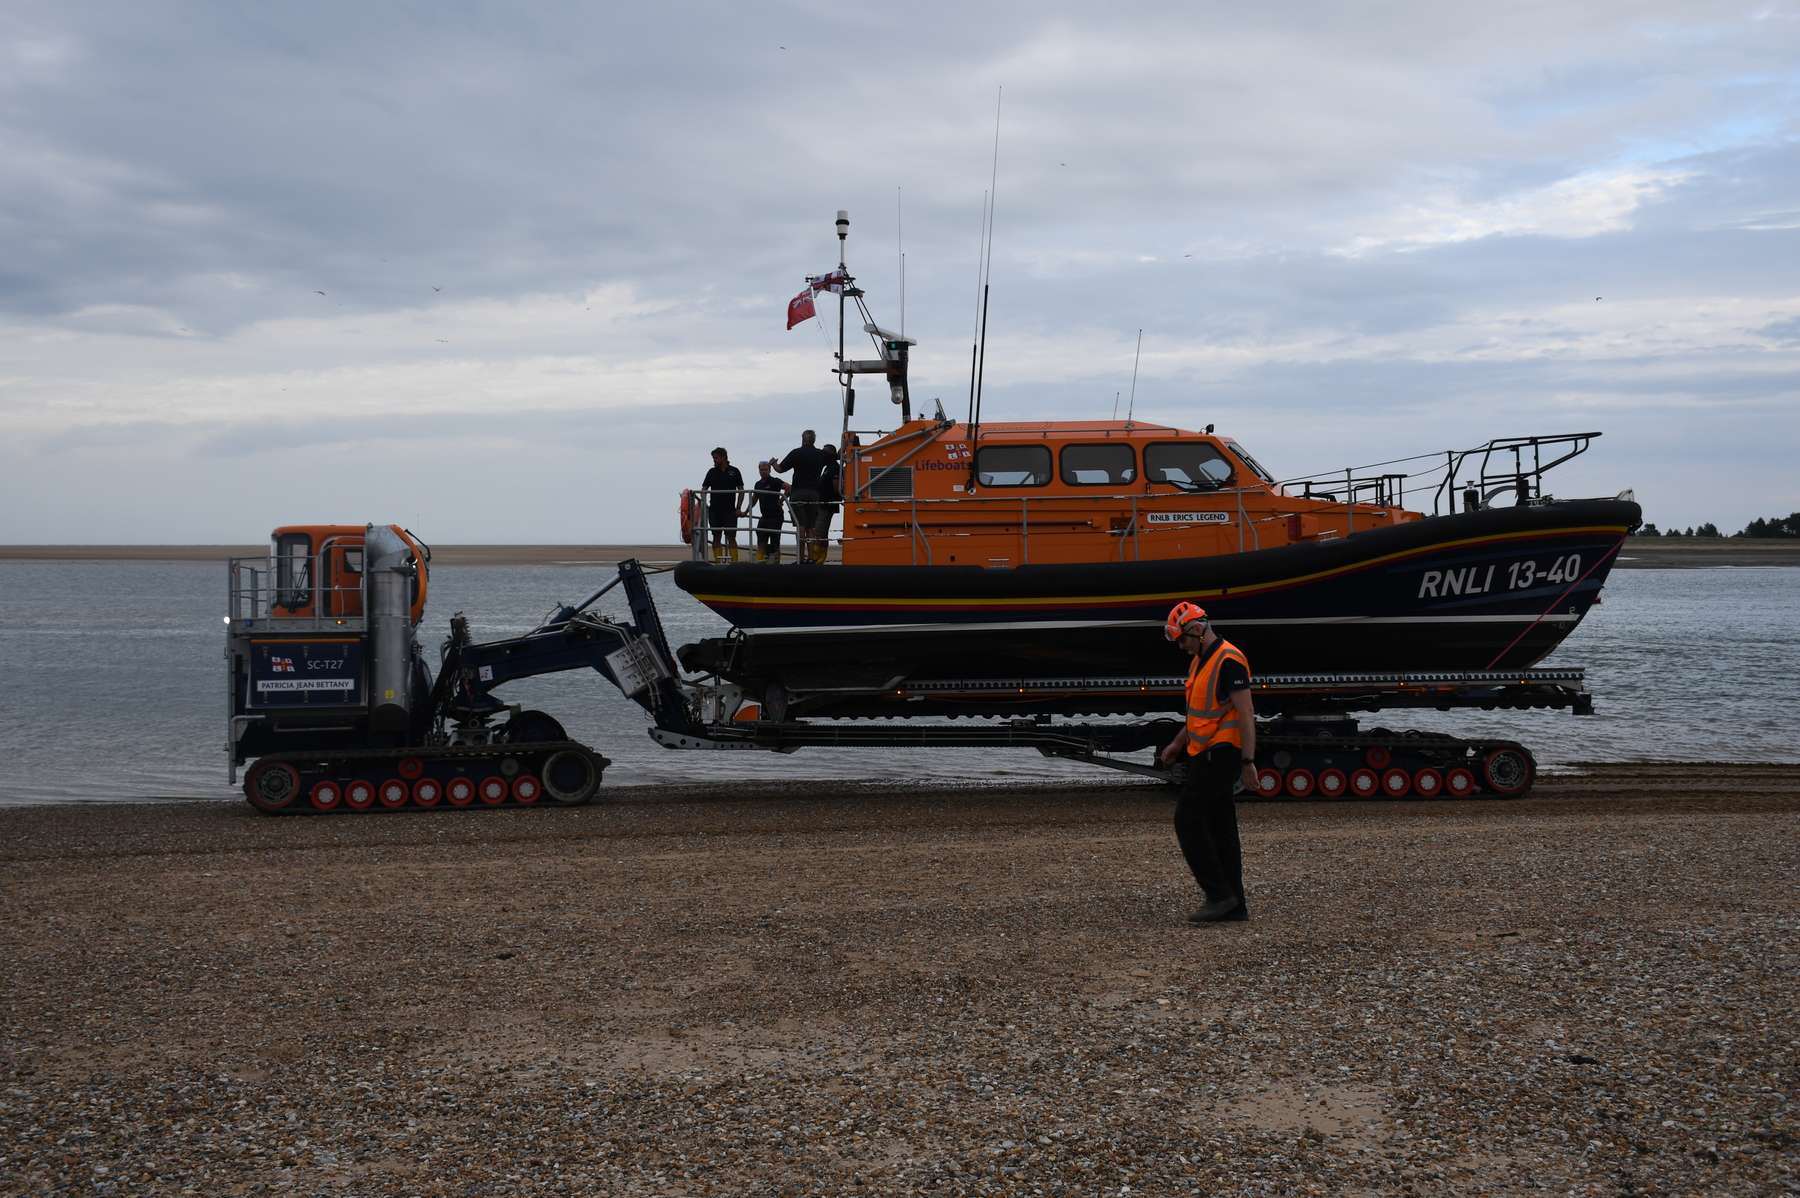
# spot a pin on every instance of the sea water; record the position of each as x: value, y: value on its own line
x: 114, y: 685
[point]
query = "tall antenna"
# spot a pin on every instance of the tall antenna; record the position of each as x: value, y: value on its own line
x: 900, y: 248
x: 1115, y: 405
x: 975, y: 337
x: 1134, y: 366
x: 987, y: 271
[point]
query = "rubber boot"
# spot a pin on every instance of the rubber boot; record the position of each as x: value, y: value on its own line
x: 733, y: 551
x: 718, y: 555
x: 761, y: 556
x: 819, y: 551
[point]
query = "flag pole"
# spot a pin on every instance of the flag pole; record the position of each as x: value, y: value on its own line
x: 844, y: 380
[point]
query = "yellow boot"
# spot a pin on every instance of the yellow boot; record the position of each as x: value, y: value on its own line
x: 761, y: 556
x: 733, y: 551
x: 820, y: 549
x: 718, y: 555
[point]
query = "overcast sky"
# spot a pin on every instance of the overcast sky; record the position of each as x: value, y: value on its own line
x: 507, y: 272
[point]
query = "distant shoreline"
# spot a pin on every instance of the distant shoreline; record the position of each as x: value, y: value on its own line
x: 441, y: 555
x: 1641, y: 553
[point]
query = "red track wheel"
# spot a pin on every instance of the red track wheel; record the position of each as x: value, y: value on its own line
x: 493, y: 790
x: 427, y: 791
x: 393, y: 793
x: 1333, y: 783
x: 1268, y: 782
x: 527, y: 789
x: 1459, y: 783
x: 1395, y: 782
x: 359, y: 795
x: 1300, y: 783
x: 273, y: 786
x: 1508, y: 771
x: 460, y: 791
x: 1365, y: 784
x: 411, y: 767
x: 326, y: 795
x: 1429, y: 783
x: 1376, y: 758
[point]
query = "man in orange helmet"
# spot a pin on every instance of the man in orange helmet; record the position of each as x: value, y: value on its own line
x: 1219, y: 741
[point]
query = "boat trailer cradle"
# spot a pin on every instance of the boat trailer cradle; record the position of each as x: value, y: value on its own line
x: 1311, y: 748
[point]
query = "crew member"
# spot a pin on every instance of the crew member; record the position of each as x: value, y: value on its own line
x: 1220, y: 743
x: 829, y: 498
x: 807, y: 461
x: 724, y: 484
x: 766, y: 494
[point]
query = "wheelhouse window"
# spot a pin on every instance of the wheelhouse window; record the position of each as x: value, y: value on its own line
x: 1243, y: 456
x: 1187, y: 463
x: 1013, y: 465
x: 293, y: 570
x: 1098, y: 465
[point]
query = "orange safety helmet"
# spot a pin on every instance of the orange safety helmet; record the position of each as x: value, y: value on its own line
x: 1180, y: 616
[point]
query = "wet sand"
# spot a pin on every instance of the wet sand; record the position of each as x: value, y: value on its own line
x: 850, y: 990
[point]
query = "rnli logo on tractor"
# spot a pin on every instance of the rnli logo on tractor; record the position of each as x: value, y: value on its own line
x: 1188, y: 518
x: 281, y: 665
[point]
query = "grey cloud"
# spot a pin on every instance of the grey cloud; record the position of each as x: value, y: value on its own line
x: 216, y: 165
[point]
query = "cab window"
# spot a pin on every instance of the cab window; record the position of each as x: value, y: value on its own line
x: 1190, y: 463
x: 1098, y: 465
x: 1243, y: 456
x: 1013, y: 465
x: 293, y: 570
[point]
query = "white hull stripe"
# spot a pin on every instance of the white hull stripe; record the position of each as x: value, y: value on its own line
x: 1049, y: 625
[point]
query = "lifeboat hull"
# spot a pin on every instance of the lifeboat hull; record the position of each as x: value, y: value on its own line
x: 1494, y: 589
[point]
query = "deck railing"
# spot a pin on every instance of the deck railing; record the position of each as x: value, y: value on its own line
x: 916, y: 515
x: 268, y: 592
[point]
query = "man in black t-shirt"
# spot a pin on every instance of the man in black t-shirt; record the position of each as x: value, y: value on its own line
x: 829, y: 499
x: 723, y: 484
x: 767, y: 492
x: 807, y: 461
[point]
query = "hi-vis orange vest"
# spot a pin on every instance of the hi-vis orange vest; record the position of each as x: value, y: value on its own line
x: 1209, y: 724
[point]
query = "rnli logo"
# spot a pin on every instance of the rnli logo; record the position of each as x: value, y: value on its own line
x: 1188, y: 518
x: 282, y: 665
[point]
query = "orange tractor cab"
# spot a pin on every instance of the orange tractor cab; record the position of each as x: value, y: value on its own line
x: 319, y: 570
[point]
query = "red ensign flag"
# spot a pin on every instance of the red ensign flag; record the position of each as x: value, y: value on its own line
x: 800, y: 308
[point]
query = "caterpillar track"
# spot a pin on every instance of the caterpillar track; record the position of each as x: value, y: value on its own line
x: 1390, y: 765
x: 555, y: 773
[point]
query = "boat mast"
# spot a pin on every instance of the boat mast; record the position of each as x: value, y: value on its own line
x: 843, y: 232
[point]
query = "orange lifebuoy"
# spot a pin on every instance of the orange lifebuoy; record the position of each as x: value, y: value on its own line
x: 688, y: 501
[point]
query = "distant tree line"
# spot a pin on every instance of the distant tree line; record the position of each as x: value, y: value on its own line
x: 1779, y: 526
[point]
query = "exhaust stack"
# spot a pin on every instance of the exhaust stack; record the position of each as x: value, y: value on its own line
x: 390, y: 573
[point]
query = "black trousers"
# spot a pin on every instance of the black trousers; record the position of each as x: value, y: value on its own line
x: 1206, y: 823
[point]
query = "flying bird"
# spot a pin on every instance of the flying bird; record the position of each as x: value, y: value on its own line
x: 437, y: 288
x: 318, y: 293
x: 1596, y: 299
x: 443, y: 341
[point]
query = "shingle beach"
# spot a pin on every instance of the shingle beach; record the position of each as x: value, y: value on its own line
x: 836, y: 990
